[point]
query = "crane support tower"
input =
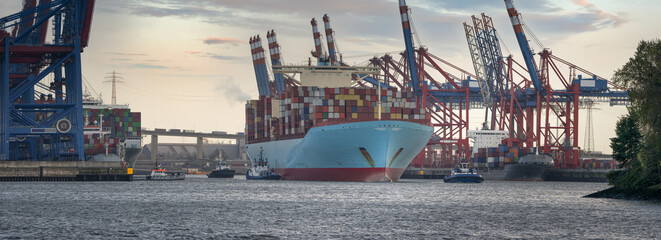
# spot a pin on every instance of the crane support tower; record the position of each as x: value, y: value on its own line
x: 41, y: 120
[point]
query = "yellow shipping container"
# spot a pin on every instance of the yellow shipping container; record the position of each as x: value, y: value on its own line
x: 360, y: 103
x: 351, y: 97
x: 351, y: 91
x: 354, y: 115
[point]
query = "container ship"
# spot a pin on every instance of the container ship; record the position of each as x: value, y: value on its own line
x: 503, y: 162
x: 111, y: 131
x: 326, y: 130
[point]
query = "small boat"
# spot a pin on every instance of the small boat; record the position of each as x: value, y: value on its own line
x: 222, y: 171
x: 159, y: 173
x: 464, y: 175
x: 261, y: 171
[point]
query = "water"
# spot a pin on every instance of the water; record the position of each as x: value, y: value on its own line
x: 236, y: 208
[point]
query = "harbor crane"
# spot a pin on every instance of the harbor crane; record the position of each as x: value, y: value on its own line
x: 32, y: 126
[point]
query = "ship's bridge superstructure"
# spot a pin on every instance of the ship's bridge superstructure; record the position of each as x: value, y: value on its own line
x: 486, y: 138
x: 328, y: 76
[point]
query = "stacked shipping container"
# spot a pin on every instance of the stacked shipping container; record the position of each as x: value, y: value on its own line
x: 121, y: 123
x: 502, y: 155
x: 292, y: 114
x: 497, y: 157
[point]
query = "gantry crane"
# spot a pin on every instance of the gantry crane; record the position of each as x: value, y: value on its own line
x: 535, y: 114
x: 31, y: 127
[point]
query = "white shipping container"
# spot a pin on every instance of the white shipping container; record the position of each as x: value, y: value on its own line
x: 275, y: 108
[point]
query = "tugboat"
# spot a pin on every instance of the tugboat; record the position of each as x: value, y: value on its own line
x: 260, y: 170
x: 159, y: 174
x: 222, y: 171
x: 464, y: 175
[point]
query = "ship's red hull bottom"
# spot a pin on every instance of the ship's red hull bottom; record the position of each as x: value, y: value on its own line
x: 341, y: 174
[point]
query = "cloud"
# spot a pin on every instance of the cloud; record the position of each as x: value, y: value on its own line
x: 228, y: 58
x: 126, y: 54
x: 238, y: 59
x: 232, y: 91
x: 175, y: 9
x: 221, y: 40
x: 149, y: 66
x: 600, y: 18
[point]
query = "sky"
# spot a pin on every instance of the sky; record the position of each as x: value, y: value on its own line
x: 186, y: 64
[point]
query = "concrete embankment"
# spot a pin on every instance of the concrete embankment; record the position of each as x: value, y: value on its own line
x: 64, y: 171
x: 577, y: 175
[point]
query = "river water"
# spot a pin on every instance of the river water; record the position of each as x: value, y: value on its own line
x: 239, y: 209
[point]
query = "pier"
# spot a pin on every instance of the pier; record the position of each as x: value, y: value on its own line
x: 64, y: 171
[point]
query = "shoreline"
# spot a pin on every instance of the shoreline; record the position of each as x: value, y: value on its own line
x: 647, y: 194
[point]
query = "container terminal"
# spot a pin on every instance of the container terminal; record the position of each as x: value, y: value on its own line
x: 48, y: 122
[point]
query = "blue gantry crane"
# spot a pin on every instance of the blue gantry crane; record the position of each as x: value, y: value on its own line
x: 40, y: 121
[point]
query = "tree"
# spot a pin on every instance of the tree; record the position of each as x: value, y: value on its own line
x: 626, y: 144
x: 641, y: 76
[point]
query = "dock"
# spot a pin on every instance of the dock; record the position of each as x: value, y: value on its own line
x: 64, y: 171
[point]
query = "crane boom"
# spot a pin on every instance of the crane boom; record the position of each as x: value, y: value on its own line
x: 329, y: 39
x: 523, y: 44
x: 408, y: 41
x: 274, y: 51
x: 317, y: 39
x: 259, y: 64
